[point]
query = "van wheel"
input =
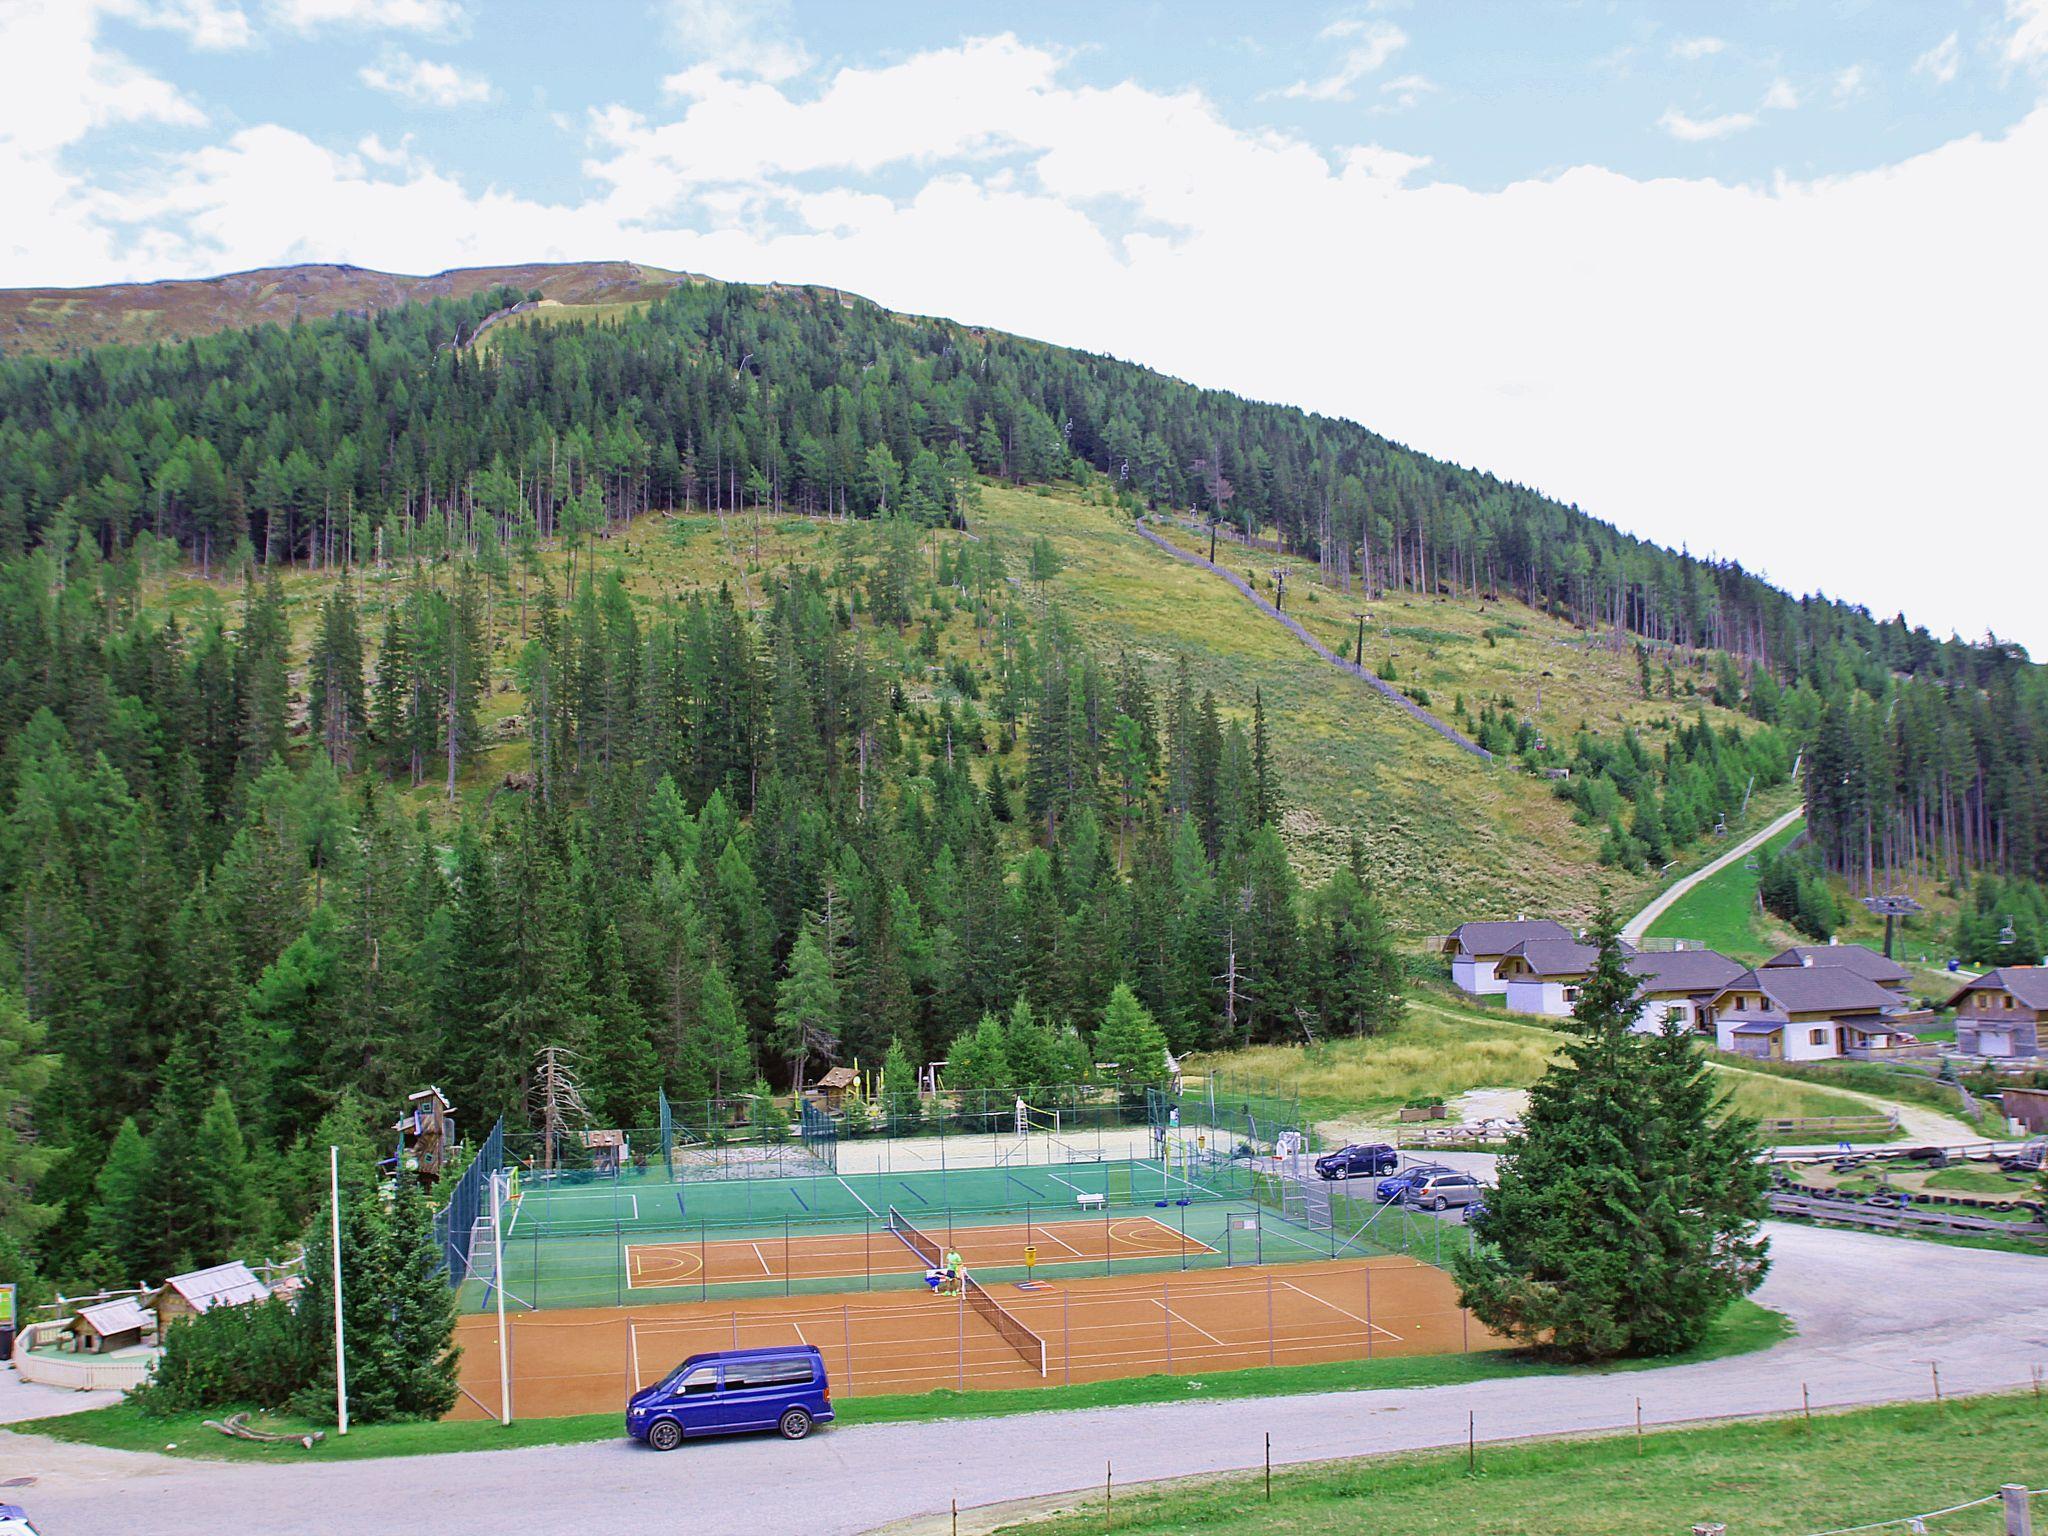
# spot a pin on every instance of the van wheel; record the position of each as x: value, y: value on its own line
x: 795, y: 1424
x: 665, y: 1434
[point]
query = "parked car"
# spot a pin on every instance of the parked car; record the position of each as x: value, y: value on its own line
x: 1476, y: 1211
x: 732, y: 1391
x: 1397, y: 1186
x: 1367, y: 1158
x: 14, y: 1521
x: 1441, y: 1191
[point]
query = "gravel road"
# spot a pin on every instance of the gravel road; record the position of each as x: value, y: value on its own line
x: 1875, y: 1316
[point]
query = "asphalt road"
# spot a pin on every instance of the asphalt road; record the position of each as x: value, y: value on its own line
x: 1637, y: 926
x: 1875, y: 1316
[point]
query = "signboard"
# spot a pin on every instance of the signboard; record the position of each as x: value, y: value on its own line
x: 6, y: 1306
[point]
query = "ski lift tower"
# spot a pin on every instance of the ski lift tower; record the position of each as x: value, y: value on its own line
x: 1891, y: 909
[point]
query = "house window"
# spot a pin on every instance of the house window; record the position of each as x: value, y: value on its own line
x: 1816, y: 1037
x: 1571, y: 994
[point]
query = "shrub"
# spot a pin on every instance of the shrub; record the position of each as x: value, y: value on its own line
x: 256, y: 1354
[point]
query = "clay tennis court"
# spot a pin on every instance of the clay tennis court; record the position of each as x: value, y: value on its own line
x: 588, y: 1361
x: 856, y: 1255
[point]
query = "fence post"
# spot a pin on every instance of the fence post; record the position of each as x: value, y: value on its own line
x: 2018, y: 1520
x: 961, y: 1308
x: 1369, y: 1329
x: 1166, y: 1306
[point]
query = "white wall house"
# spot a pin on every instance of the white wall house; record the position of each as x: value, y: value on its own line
x: 1680, y: 982
x: 1802, y: 1013
x: 1543, y: 976
x: 1476, y: 950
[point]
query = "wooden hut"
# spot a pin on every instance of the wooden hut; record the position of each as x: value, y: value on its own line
x: 835, y: 1085
x: 224, y: 1285
x: 108, y: 1326
x: 607, y: 1150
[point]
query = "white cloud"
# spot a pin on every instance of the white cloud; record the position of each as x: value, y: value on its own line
x: 1788, y: 374
x: 1367, y: 47
x: 1781, y: 97
x: 1940, y: 62
x: 1696, y: 47
x: 1849, y: 84
x: 1404, y: 91
x: 739, y: 38
x: 382, y: 15
x: 2028, y: 44
x: 425, y: 81
x: 213, y: 25
x: 1700, y: 130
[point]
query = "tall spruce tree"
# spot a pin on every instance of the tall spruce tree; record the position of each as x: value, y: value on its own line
x: 1626, y: 1214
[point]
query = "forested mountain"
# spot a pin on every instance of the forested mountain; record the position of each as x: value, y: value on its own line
x: 256, y: 883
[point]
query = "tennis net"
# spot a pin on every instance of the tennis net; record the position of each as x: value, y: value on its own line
x: 1029, y: 1346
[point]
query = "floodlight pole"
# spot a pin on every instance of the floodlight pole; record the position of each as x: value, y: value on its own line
x: 340, y: 1359
x: 498, y: 1288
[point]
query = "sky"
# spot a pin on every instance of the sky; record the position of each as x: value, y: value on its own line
x: 1760, y: 280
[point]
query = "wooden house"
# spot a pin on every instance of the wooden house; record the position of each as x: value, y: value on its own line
x: 607, y: 1150
x: 832, y: 1089
x: 108, y: 1326
x: 2000, y: 1014
x: 1680, y: 984
x: 223, y: 1285
x: 1867, y: 963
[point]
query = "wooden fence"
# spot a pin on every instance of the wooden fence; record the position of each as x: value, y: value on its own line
x: 1898, y: 1218
x: 79, y: 1373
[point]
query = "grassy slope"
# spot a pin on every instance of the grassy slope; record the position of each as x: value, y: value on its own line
x: 1743, y: 1328
x: 1721, y: 912
x: 1449, y: 837
x: 1776, y: 1478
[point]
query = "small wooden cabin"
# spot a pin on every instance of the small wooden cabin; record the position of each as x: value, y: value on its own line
x: 832, y: 1089
x: 224, y: 1285
x: 607, y: 1150
x: 108, y: 1326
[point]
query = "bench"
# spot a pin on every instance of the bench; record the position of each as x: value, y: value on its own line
x: 1090, y: 1202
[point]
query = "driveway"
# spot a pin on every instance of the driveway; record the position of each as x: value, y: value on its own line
x: 1634, y: 929
x: 1875, y: 1314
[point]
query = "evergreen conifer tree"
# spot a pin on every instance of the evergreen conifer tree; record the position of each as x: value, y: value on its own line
x: 1626, y: 1214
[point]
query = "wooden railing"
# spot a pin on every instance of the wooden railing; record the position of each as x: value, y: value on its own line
x: 1830, y: 1125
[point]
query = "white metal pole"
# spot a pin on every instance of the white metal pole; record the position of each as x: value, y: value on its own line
x: 498, y: 1285
x: 340, y: 1359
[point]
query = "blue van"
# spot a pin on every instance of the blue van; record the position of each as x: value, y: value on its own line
x: 731, y: 1391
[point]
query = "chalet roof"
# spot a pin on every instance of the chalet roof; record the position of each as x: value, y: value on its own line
x: 604, y: 1138
x: 1813, y: 989
x: 839, y: 1077
x: 1852, y: 957
x: 228, y: 1284
x: 1683, y: 970
x: 2027, y: 983
x: 111, y: 1317
x: 1499, y: 938
x: 1555, y: 957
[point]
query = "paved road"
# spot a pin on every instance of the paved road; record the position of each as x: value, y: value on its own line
x: 1875, y: 1314
x: 1639, y: 925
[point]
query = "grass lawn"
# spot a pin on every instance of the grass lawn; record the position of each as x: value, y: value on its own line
x: 1782, y: 1477
x: 1982, y: 1181
x: 1743, y: 1328
x: 1721, y: 912
x: 1779, y: 1098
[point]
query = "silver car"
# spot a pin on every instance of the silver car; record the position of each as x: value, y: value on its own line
x: 1441, y: 1191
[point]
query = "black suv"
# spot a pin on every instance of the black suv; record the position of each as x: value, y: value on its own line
x: 1365, y: 1160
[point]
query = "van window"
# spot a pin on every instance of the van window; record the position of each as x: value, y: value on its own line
x: 701, y: 1382
x: 740, y: 1374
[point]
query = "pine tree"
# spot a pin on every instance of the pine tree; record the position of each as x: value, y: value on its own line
x: 1265, y: 789
x: 336, y: 704
x: 115, y: 1237
x: 1353, y: 969
x: 1128, y: 1038
x: 977, y: 1060
x: 424, y: 1354
x: 25, y: 1071
x: 723, y: 1038
x: 1626, y: 1214
x: 262, y: 684
x: 807, y: 1008
x: 233, y: 1219
x: 900, y: 1097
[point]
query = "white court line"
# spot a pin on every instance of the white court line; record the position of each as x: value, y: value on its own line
x: 799, y: 1334
x: 1047, y: 1232
x: 856, y: 1195
x: 1312, y: 1296
x: 1187, y: 1323
x: 1070, y: 1184
x: 636, y: 1204
x: 759, y: 1255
